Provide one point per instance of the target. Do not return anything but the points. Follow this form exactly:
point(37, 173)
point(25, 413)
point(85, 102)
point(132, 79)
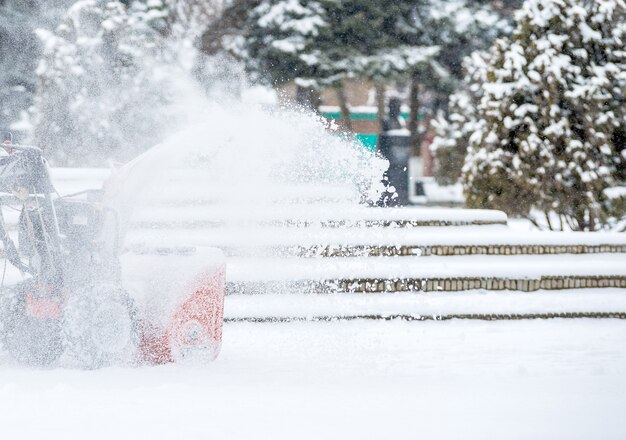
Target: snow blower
point(74, 300)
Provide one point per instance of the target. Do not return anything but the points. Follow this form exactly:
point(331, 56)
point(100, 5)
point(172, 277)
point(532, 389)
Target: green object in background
point(368, 140)
point(364, 116)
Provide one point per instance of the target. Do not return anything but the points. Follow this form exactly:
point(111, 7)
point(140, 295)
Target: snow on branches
point(101, 91)
point(550, 129)
point(280, 42)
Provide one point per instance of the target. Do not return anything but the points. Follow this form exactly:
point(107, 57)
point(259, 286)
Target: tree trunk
point(346, 122)
point(592, 221)
point(547, 215)
point(414, 104)
point(232, 19)
point(381, 112)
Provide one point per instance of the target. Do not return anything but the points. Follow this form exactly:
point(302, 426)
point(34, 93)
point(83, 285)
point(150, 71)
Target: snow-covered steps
point(306, 239)
point(184, 187)
point(608, 303)
point(310, 216)
point(276, 269)
point(382, 242)
point(411, 274)
point(204, 218)
point(189, 200)
point(194, 204)
point(438, 284)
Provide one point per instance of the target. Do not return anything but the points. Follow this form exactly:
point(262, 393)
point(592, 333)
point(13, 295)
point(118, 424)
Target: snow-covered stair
point(435, 274)
point(306, 239)
point(360, 241)
point(476, 304)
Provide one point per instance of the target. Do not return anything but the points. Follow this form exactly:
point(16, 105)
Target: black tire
point(30, 341)
point(100, 328)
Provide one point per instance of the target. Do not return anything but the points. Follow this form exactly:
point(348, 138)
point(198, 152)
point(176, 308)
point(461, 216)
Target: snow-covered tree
point(20, 50)
point(101, 93)
point(320, 43)
point(365, 42)
point(456, 28)
point(551, 122)
point(279, 43)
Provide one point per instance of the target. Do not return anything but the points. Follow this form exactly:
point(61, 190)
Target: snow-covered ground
point(554, 379)
point(433, 304)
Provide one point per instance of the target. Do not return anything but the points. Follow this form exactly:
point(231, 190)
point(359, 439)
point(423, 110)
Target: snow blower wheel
point(99, 327)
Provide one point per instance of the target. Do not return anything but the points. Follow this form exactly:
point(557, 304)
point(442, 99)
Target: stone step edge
point(472, 283)
point(349, 251)
point(455, 250)
point(330, 251)
point(455, 284)
point(413, 318)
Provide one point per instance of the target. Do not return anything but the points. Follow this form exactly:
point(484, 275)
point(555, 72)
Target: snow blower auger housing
point(74, 301)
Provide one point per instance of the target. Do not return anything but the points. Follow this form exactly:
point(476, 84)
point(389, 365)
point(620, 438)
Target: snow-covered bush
point(102, 92)
point(550, 132)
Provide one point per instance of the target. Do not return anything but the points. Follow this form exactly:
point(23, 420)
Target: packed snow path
point(557, 379)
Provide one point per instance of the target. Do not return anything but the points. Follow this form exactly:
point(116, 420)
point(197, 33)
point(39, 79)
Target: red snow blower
point(85, 299)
